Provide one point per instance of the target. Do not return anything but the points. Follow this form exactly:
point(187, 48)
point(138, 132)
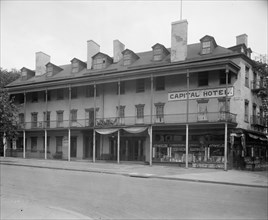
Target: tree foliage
point(8, 110)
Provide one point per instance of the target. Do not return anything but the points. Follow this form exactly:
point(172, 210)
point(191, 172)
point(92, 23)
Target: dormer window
point(208, 44)
point(75, 67)
point(101, 61)
point(26, 73)
point(52, 69)
point(49, 70)
point(129, 57)
point(159, 52)
point(206, 47)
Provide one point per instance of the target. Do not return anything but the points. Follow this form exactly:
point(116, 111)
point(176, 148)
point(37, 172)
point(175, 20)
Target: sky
point(61, 29)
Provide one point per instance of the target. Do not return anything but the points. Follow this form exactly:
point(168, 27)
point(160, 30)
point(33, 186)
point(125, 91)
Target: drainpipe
point(226, 121)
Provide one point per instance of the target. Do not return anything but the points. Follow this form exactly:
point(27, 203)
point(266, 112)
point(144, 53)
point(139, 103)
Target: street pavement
point(17, 208)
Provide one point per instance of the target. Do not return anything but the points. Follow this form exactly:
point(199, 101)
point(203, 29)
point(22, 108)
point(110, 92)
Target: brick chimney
point(92, 49)
point(242, 39)
point(118, 49)
point(179, 30)
point(41, 60)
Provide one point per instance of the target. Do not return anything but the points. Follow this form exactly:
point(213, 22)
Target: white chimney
point(179, 31)
point(92, 49)
point(118, 49)
point(242, 39)
point(41, 59)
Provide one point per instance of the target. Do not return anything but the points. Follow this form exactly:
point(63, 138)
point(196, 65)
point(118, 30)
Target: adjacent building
point(192, 104)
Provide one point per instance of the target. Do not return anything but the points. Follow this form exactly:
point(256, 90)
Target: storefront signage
point(200, 94)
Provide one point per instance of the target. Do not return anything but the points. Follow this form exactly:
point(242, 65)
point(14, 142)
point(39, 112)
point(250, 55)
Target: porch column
point(94, 145)
point(46, 128)
point(4, 143)
point(24, 143)
point(45, 144)
point(152, 99)
point(118, 146)
point(119, 94)
point(226, 120)
point(151, 145)
point(24, 126)
point(69, 144)
point(187, 123)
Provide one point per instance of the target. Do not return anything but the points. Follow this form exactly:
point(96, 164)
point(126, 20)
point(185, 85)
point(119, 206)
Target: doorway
point(73, 146)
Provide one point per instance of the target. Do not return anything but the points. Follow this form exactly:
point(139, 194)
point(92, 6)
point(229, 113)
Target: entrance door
point(90, 117)
point(88, 147)
point(73, 146)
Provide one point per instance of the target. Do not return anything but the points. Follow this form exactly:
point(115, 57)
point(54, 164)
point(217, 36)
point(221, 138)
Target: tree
point(8, 110)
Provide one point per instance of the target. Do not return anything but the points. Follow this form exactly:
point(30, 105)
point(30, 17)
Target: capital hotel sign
point(200, 94)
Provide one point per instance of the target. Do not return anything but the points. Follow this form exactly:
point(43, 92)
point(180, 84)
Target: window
point(59, 118)
point(48, 141)
point(34, 119)
point(48, 96)
point(203, 79)
point(59, 144)
point(222, 108)
point(159, 109)
point(157, 54)
point(33, 144)
point(206, 47)
point(60, 94)
point(223, 77)
point(99, 63)
point(247, 76)
point(122, 88)
point(89, 117)
point(202, 111)
point(254, 109)
point(140, 111)
point(75, 67)
point(47, 119)
point(49, 70)
point(127, 59)
point(74, 93)
point(121, 113)
point(246, 111)
point(74, 115)
point(90, 91)
point(140, 85)
point(160, 83)
point(35, 97)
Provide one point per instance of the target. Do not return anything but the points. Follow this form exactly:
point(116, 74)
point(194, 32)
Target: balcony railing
point(206, 117)
point(257, 85)
point(257, 120)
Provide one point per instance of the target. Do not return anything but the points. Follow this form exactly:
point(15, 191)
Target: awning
point(106, 131)
point(135, 130)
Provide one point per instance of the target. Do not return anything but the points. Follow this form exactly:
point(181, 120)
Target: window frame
point(140, 85)
point(203, 79)
point(246, 111)
point(160, 83)
point(60, 94)
point(222, 77)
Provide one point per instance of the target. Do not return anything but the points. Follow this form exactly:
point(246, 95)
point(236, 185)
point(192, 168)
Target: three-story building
point(191, 104)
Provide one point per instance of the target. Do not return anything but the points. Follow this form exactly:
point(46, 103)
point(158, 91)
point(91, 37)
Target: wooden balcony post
point(94, 145)
point(69, 144)
point(46, 127)
point(187, 122)
point(94, 105)
point(24, 143)
point(152, 99)
point(226, 120)
point(118, 146)
point(151, 145)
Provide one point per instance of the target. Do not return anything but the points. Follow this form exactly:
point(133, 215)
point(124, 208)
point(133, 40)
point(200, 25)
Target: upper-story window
point(246, 76)
point(34, 119)
point(159, 52)
point(49, 70)
point(74, 93)
point(140, 85)
point(60, 94)
point(90, 91)
point(140, 111)
point(127, 59)
point(203, 79)
point(246, 111)
point(223, 77)
point(35, 97)
point(73, 115)
point(21, 118)
point(160, 83)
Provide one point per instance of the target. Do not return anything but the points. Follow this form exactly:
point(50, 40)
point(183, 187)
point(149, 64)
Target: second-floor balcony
point(167, 119)
point(257, 120)
point(257, 85)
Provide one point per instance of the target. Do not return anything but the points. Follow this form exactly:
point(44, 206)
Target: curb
point(138, 175)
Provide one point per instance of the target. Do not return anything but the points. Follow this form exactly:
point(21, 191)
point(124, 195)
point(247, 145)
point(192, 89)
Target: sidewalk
point(214, 176)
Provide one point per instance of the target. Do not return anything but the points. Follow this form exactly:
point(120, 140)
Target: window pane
point(203, 79)
point(140, 85)
point(160, 83)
